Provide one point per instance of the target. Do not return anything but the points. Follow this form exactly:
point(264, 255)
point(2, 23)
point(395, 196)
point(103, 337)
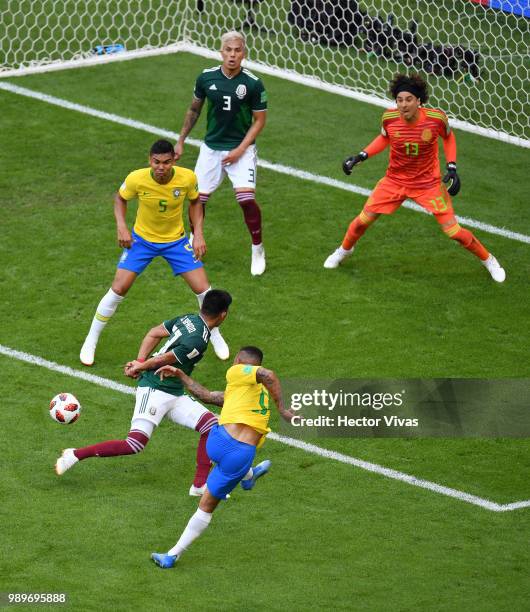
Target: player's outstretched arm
point(377, 145)
point(349, 163)
point(260, 118)
point(190, 120)
point(272, 383)
point(120, 213)
point(202, 393)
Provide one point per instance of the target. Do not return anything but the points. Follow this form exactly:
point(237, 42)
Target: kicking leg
point(150, 408)
point(136, 441)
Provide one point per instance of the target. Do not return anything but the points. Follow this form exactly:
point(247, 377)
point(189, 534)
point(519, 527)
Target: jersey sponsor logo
point(213, 87)
point(194, 353)
point(241, 91)
point(176, 193)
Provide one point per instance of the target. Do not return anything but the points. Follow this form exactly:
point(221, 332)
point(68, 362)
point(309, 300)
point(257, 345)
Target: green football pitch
point(315, 534)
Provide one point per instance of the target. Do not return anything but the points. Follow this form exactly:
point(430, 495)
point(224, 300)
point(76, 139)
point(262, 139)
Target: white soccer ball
point(64, 408)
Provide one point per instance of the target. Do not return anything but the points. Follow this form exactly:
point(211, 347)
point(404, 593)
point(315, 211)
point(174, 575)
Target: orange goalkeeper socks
point(468, 240)
point(354, 232)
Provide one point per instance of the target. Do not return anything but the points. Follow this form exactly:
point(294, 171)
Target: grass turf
point(408, 304)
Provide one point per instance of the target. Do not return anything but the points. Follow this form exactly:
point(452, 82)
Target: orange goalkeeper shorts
point(388, 196)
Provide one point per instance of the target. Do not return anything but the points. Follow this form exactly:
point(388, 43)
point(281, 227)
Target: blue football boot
point(260, 470)
point(164, 560)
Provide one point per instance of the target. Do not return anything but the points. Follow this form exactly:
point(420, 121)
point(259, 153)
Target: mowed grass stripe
point(279, 168)
point(299, 444)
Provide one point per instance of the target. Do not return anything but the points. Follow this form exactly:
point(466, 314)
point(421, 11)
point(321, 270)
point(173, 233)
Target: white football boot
point(65, 461)
point(88, 351)
point(257, 267)
point(337, 257)
point(494, 268)
point(219, 345)
point(197, 491)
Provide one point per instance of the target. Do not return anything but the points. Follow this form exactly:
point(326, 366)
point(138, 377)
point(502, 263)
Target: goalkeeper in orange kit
point(413, 172)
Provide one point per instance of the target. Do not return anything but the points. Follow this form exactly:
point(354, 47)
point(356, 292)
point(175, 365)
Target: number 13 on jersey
point(411, 148)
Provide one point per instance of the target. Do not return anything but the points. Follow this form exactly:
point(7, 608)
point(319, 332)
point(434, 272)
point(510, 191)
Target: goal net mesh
point(475, 54)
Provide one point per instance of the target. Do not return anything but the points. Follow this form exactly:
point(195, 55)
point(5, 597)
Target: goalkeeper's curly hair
point(418, 86)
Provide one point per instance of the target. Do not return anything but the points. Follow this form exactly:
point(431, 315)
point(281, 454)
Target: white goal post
point(475, 53)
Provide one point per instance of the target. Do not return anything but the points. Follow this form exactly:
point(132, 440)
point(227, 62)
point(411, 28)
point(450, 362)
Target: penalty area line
point(299, 444)
point(279, 168)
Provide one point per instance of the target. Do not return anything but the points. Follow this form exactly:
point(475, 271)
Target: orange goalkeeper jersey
point(414, 147)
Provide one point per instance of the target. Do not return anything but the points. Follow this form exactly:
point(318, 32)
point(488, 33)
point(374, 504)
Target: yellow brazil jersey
point(159, 216)
point(246, 400)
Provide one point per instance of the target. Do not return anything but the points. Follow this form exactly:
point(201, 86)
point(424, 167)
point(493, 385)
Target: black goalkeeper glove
point(452, 176)
point(347, 164)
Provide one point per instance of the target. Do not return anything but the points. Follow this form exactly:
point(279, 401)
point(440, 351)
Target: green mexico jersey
point(231, 102)
point(188, 340)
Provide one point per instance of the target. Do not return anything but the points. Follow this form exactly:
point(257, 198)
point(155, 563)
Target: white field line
point(304, 446)
point(288, 75)
point(280, 168)
point(88, 59)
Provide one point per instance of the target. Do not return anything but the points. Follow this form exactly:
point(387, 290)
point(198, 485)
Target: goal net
point(475, 53)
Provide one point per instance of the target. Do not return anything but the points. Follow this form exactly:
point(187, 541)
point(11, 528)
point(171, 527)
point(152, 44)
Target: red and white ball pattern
point(64, 408)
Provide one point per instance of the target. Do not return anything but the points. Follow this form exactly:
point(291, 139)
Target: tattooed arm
point(271, 382)
point(202, 393)
point(189, 121)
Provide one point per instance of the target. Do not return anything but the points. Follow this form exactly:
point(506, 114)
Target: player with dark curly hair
point(412, 132)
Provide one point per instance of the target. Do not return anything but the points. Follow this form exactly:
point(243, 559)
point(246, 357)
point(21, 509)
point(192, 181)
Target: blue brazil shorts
point(179, 255)
point(233, 460)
